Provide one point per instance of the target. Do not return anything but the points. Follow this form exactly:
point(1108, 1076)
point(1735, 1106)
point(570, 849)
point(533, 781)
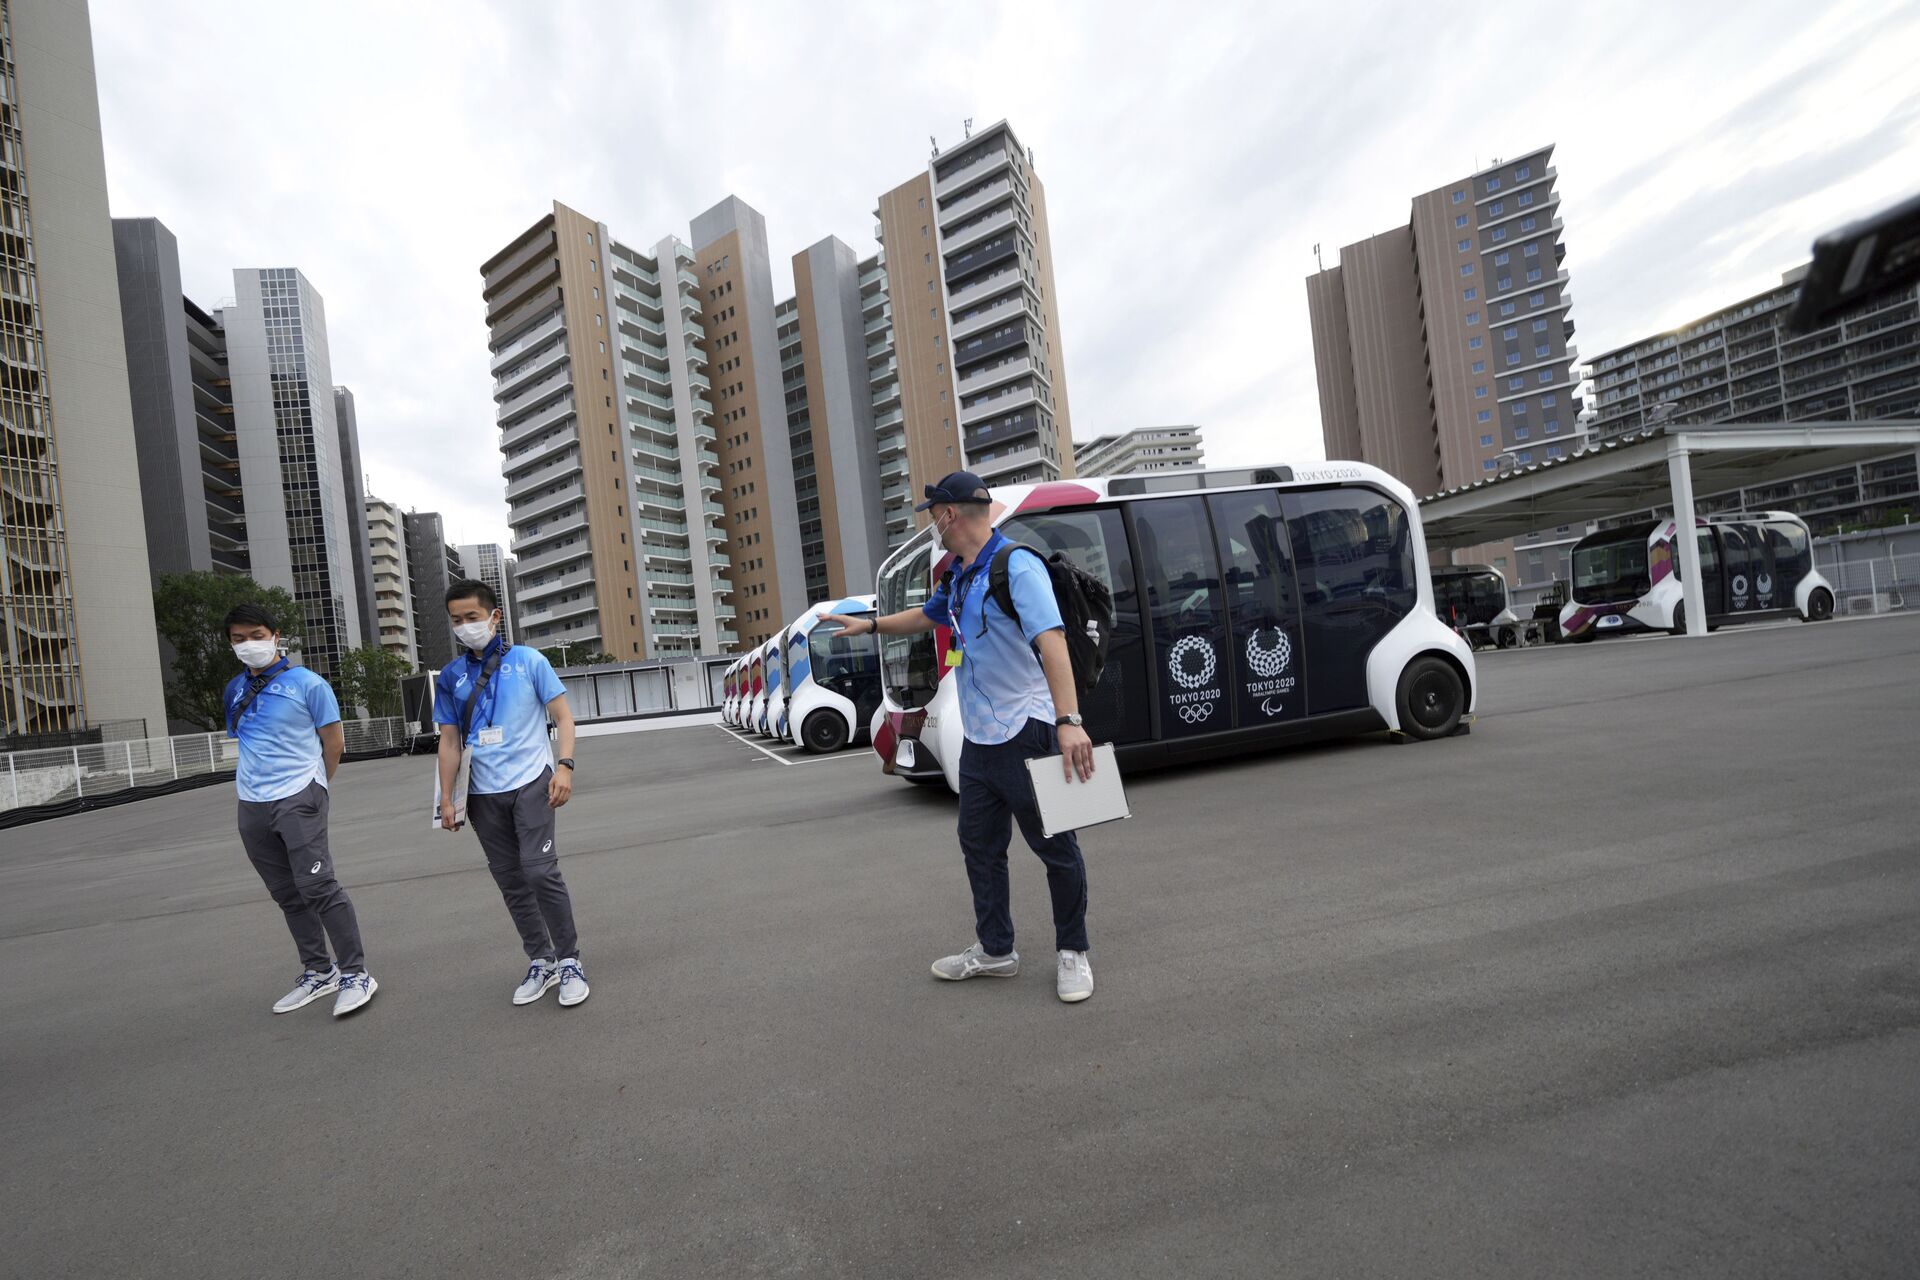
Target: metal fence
point(1877, 584)
point(96, 769)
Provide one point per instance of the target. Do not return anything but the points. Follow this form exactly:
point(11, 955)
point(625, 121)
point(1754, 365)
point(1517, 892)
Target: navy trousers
point(995, 792)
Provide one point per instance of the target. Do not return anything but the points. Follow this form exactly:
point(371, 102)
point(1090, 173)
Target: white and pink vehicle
point(1252, 607)
point(1754, 566)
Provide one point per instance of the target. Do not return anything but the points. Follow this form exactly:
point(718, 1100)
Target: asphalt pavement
point(1626, 983)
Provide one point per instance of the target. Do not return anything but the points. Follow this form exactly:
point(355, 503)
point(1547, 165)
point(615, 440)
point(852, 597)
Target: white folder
point(1070, 804)
point(459, 788)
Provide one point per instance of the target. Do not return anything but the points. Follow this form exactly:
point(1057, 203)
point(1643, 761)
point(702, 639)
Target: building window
point(1486, 441)
point(1460, 221)
point(1479, 366)
point(1493, 185)
point(1533, 250)
point(1555, 451)
point(1465, 245)
point(1458, 196)
point(1551, 425)
point(1510, 332)
point(1536, 299)
point(1497, 208)
point(1514, 384)
point(1489, 464)
point(1540, 325)
point(1473, 343)
point(1519, 433)
point(1533, 275)
point(1526, 198)
point(1522, 172)
point(1507, 308)
point(1466, 268)
point(1468, 295)
point(1529, 222)
point(1546, 376)
point(1541, 349)
point(1513, 358)
point(1526, 455)
point(1500, 233)
point(1479, 393)
point(1473, 317)
point(1500, 259)
point(1548, 401)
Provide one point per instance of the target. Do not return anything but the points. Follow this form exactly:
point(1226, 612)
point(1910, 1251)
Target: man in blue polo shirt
point(288, 724)
point(495, 698)
point(1017, 702)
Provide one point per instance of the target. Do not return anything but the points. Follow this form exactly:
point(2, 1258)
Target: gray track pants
point(516, 831)
point(286, 840)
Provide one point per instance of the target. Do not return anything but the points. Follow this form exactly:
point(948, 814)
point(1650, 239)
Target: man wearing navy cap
point(1017, 702)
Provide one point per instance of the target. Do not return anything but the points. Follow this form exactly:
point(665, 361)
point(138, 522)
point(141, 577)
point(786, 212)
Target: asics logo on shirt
point(314, 869)
point(547, 847)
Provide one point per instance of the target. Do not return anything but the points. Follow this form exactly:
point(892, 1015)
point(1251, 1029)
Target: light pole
point(563, 646)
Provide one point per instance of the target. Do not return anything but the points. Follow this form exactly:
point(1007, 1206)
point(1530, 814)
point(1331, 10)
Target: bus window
point(1263, 606)
point(1354, 557)
point(1742, 568)
point(1181, 578)
point(909, 663)
point(1791, 559)
point(1095, 539)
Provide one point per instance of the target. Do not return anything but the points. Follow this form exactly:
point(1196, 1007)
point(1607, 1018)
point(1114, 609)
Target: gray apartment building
point(432, 566)
point(394, 623)
point(352, 479)
point(1141, 450)
point(78, 647)
point(489, 562)
point(1443, 349)
point(1738, 365)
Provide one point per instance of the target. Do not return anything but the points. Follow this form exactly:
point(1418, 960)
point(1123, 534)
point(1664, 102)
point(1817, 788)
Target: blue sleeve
point(226, 706)
point(1032, 588)
point(321, 704)
point(546, 684)
point(446, 708)
point(939, 608)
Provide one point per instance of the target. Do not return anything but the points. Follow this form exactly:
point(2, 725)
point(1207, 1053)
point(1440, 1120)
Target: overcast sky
point(1193, 155)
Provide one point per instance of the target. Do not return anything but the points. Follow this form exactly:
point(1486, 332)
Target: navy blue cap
point(960, 486)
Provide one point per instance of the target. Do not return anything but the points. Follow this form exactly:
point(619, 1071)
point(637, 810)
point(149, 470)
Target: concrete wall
point(87, 363)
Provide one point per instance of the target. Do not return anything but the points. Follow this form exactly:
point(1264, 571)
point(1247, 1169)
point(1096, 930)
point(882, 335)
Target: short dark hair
point(249, 615)
point(473, 589)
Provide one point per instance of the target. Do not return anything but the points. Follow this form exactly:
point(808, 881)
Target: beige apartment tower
point(78, 647)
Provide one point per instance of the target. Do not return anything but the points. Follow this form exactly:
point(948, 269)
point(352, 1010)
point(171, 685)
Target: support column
point(1686, 536)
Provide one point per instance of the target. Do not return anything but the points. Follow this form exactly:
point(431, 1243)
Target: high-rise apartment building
point(609, 442)
point(432, 566)
point(1444, 349)
point(293, 477)
point(347, 418)
point(1737, 365)
point(976, 329)
point(1141, 450)
point(392, 581)
point(78, 646)
point(489, 562)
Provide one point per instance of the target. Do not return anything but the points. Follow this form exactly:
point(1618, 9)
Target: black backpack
point(1086, 607)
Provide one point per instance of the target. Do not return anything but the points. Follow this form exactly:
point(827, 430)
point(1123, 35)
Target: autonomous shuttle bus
point(774, 722)
point(727, 687)
point(833, 682)
point(766, 670)
point(1472, 599)
point(1754, 566)
point(1252, 607)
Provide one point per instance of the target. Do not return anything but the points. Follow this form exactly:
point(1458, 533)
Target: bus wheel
point(1679, 620)
point(1819, 605)
point(1431, 698)
point(824, 732)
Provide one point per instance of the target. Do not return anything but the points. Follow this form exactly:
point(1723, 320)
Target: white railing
point(102, 768)
point(1875, 584)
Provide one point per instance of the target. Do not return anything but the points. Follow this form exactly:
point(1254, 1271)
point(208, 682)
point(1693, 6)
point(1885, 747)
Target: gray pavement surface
point(1627, 983)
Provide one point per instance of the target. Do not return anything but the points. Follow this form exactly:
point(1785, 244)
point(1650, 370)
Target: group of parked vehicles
point(806, 685)
point(1252, 607)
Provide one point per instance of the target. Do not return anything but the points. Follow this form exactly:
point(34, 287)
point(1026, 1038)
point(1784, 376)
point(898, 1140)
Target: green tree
point(575, 656)
point(370, 679)
point(189, 609)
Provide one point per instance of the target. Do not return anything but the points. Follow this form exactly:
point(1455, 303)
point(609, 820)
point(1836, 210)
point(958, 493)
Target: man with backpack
point(1018, 701)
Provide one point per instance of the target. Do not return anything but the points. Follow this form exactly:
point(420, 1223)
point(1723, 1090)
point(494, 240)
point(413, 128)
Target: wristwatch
point(565, 760)
point(1072, 718)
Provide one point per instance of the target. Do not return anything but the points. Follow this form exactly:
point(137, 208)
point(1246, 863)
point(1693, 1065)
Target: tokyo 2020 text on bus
point(1754, 566)
point(833, 682)
point(1252, 607)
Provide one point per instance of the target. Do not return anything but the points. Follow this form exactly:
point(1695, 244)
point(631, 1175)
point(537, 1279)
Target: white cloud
point(1192, 157)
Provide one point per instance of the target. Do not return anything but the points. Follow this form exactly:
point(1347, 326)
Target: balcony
point(534, 508)
point(544, 329)
point(981, 378)
point(531, 399)
point(518, 487)
point(525, 594)
point(880, 346)
point(1025, 423)
point(984, 199)
point(1012, 309)
point(671, 505)
point(670, 555)
point(988, 468)
point(656, 475)
point(983, 256)
point(528, 371)
point(882, 321)
point(528, 428)
point(979, 232)
point(977, 291)
point(888, 394)
point(1004, 402)
point(891, 418)
point(959, 179)
point(646, 450)
point(536, 454)
point(638, 397)
point(526, 564)
point(559, 612)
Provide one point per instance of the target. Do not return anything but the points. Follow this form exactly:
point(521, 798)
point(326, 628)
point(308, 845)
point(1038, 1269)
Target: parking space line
point(756, 746)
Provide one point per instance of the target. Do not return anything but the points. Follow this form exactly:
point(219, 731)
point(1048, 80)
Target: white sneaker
point(355, 990)
point(974, 962)
point(573, 982)
point(542, 975)
point(311, 987)
point(1075, 982)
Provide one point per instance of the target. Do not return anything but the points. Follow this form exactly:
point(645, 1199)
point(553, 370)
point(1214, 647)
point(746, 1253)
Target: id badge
point(954, 656)
point(490, 737)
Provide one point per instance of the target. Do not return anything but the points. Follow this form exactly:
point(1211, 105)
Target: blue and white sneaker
point(311, 987)
point(542, 975)
point(573, 981)
point(355, 990)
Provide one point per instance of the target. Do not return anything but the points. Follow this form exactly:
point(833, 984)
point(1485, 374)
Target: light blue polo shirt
point(1001, 683)
point(278, 733)
point(515, 703)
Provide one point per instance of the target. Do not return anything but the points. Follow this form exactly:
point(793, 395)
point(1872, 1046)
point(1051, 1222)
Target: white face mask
point(256, 653)
point(474, 635)
point(939, 536)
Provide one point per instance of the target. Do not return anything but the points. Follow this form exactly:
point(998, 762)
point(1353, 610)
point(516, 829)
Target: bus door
point(1095, 540)
point(1185, 606)
point(1353, 554)
point(1266, 653)
point(848, 666)
point(1742, 566)
point(1713, 585)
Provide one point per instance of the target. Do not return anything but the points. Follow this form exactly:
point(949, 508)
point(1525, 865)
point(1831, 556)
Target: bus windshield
point(1469, 595)
point(834, 655)
point(1607, 572)
point(908, 664)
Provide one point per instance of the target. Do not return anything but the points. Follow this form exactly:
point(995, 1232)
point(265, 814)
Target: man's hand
point(846, 623)
point(447, 820)
point(1076, 751)
point(560, 786)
